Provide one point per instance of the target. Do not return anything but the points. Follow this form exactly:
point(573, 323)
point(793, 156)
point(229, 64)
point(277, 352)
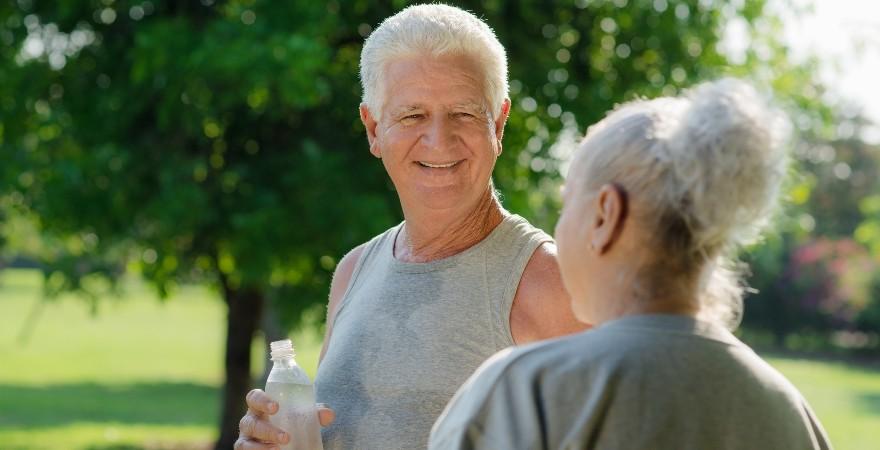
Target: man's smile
point(439, 165)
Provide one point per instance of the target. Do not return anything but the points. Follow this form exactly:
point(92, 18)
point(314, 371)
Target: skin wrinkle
point(469, 81)
point(439, 115)
point(469, 233)
point(478, 110)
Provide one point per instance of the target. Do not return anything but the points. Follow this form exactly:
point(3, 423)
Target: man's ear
point(499, 123)
point(501, 120)
point(611, 215)
point(370, 124)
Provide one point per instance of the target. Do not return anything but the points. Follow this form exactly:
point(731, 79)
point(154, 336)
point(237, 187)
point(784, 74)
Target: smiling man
point(416, 309)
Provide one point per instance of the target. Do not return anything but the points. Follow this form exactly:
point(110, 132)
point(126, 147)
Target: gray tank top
point(407, 335)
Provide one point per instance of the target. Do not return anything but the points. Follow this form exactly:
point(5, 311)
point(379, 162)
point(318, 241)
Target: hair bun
point(729, 159)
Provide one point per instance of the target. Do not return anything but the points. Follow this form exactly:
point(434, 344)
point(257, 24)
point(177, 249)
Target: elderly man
point(416, 309)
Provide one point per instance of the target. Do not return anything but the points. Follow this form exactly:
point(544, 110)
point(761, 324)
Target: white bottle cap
point(282, 349)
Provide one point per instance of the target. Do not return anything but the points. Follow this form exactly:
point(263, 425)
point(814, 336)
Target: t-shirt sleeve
point(822, 441)
point(494, 409)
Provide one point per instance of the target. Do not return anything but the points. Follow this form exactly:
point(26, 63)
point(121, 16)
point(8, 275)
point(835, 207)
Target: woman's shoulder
point(511, 388)
point(525, 363)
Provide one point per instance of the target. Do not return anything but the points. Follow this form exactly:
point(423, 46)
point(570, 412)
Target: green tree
point(202, 142)
point(220, 142)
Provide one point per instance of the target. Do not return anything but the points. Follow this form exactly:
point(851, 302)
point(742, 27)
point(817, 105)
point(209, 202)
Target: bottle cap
point(282, 349)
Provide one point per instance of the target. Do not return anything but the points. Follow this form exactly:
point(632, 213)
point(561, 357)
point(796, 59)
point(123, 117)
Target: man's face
point(436, 137)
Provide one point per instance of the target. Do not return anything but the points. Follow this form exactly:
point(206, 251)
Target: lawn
point(846, 399)
point(141, 373)
point(138, 373)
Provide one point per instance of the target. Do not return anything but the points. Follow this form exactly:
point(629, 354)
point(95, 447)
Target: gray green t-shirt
point(407, 335)
point(639, 382)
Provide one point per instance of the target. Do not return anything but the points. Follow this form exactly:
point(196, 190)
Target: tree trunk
point(245, 307)
point(272, 329)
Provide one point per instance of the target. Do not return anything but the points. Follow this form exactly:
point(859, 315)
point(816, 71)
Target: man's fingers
point(326, 416)
point(247, 444)
point(253, 427)
point(260, 402)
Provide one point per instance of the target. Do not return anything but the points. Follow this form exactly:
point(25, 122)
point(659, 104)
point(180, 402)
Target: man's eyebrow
point(405, 109)
point(470, 106)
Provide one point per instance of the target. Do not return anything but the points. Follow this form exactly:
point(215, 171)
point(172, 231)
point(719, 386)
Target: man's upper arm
point(541, 307)
point(341, 278)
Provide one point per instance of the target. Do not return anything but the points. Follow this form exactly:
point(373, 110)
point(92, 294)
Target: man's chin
point(442, 197)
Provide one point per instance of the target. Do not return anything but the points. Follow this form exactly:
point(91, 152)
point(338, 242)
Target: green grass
point(139, 373)
point(145, 374)
point(845, 397)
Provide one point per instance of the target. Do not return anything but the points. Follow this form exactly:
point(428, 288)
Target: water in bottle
point(289, 385)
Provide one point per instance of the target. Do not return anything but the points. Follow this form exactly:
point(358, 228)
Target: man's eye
point(463, 115)
point(412, 117)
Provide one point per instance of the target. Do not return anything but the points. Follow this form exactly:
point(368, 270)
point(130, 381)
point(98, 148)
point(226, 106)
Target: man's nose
point(440, 134)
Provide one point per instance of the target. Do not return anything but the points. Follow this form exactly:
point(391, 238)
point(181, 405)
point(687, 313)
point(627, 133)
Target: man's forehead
point(426, 80)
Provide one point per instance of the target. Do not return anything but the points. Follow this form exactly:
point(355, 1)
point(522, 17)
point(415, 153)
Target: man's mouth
point(436, 165)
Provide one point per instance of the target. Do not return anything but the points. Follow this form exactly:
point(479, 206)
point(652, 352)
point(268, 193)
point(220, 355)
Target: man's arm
point(541, 307)
point(256, 431)
point(341, 278)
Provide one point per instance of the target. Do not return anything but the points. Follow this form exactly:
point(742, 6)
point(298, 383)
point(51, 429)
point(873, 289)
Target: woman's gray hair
point(706, 168)
point(433, 30)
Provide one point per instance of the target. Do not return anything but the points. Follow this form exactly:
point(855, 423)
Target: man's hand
point(255, 430)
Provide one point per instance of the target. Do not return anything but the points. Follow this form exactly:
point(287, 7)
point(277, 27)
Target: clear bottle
point(297, 413)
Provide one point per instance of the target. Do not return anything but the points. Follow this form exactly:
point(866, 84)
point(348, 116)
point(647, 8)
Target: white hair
point(707, 168)
point(433, 30)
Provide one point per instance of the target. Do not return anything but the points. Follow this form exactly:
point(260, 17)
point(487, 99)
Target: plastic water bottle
point(297, 413)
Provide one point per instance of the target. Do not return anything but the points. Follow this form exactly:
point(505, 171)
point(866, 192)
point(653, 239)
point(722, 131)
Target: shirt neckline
point(671, 323)
point(444, 263)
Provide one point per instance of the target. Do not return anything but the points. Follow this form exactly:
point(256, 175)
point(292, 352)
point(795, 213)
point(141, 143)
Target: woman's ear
point(611, 215)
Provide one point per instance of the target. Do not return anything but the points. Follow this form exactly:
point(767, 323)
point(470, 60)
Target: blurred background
point(179, 178)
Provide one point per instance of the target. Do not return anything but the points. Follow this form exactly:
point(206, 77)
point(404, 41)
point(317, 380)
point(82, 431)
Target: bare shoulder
point(542, 308)
point(338, 286)
point(341, 278)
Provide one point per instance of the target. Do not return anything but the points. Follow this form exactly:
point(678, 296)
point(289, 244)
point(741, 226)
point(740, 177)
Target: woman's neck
point(638, 295)
point(430, 237)
point(636, 307)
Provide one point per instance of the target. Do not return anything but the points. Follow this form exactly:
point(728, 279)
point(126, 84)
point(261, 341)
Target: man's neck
point(432, 235)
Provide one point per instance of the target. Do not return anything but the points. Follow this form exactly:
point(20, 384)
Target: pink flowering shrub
point(836, 278)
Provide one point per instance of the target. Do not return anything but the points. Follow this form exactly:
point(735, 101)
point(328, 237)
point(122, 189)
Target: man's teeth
point(438, 166)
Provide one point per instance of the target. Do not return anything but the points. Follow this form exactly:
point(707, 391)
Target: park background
point(179, 178)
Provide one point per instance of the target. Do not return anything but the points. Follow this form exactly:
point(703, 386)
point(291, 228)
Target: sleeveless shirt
point(407, 335)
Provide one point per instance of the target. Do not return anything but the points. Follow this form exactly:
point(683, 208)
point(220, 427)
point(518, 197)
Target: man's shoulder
point(542, 306)
point(350, 259)
point(541, 279)
point(544, 263)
